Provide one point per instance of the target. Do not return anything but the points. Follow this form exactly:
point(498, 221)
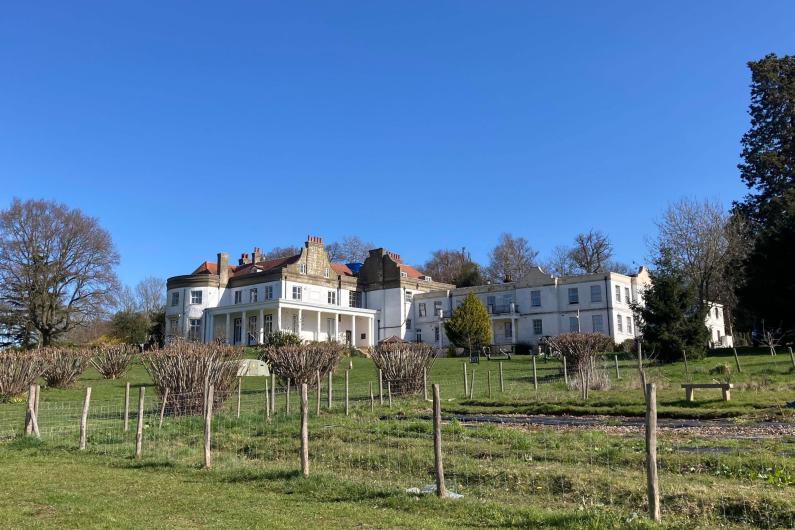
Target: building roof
point(410, 271)
point(341, 269)
point(263, 266)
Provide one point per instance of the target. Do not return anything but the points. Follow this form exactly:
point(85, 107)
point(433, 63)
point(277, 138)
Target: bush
point(403, 364)
point(183, 367)
point(300, 364)
point(580, 351)
point(18, 370)
point(113, 361)
point(282, 338)
point(469, 326)
point(64, 366)
point(723, 372)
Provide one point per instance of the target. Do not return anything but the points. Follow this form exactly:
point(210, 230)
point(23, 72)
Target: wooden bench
point(725, 388)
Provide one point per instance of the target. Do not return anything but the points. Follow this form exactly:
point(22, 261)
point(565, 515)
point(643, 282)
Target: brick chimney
point(256, 256)
point(223, 268)
point(244, 260)
point(314, 241)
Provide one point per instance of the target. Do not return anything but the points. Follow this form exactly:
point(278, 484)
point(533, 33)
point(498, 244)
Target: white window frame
point(325, 272)
point(574, 324)
point(538, 330)
point(596, 290)
point(408, 323)
point(267, 324)
point(600, 328)
point(620, 324)
point(535, 298)
point(437, 306)
point(422, 310)
point(298, 292)
point(238, 297)
point(267, 292)
point(194, 328)
point(618, 294)
point(576, 292)
point(252, 296)
point(408, 297)
point(194, 299)
point(332, 297)
point(302, 268)
point(174, 298)
point(507, 329)
point(629, 325)
point(627, 295)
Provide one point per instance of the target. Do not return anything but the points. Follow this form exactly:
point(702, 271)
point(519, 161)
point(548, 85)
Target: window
point(437, 307)
point(422, 309)
point(490, 303)
point(436, 333)
point(302, 268)
point(409, 297)
point(717, 314)
point(408, 323)
point(574, 324)
point(175, 326)
point(596, 294)
point(267, 292)
point(508, 330)
point(268, 324)
point(535, 298)
point(418, 334)
point(175, 298)
point(295, 323)
point(598, 324)
point(195, 297)
point(325, 272)
point(238, 297)
point(627, 297)
point(403, 274)
point(619, 325)
point(297, 292)
point(237, 331)
point(618, 294)
point(574, 295)
point(332, 297)
point(252, 295)
point(538, 328)
point(629, 325)
point(354, 299)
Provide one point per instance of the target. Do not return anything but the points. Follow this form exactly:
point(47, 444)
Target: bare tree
point(352, 249)
point(511, 259)
point(56, 270)
point(150, 294)
point(453, 266)
point(591, 251)
point(619, 267)
point(560, 262)
point(125, 300)
point(281, 252)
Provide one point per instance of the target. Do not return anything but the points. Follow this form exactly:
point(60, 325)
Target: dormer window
point(325, 272)
point(403, 274)
point(302, 268)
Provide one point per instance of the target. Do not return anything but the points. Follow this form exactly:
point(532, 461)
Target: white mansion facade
point(364, 303)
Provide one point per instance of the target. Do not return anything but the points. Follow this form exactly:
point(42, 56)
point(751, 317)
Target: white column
point(353, 331)
point(228, 329)
point(300, 321)
point(278, 318)
point(244, 329)
point(371, 327)
point(336, 326)
point(261, 322)
point(317, 329)
point(513, 331)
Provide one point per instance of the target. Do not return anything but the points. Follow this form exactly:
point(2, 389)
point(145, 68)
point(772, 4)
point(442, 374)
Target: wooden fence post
point(565, 372)
point(38, 396)
point(425, 383)
point(641, 373)
point(502, 379)
point(618, 373)
point(466, 380)
point(273, 393)
point(31, 419)
point(84, 419)
point(208, 428)
point(791, 358)
point(267, 401)
point(437, 442)
point(535, 374)
point(139, 427)
point(317, 411)
point(127, 407)
point(239, 392)
point(472, 386)
point(163, 408)
point(304, 431)
point(347, 403)
point(381, 386)
point(372, 398)
point(737, 360)
point(287, 398)
point(389, 392)
point(652, 484)
point(488, 381)
point(687, 369)
point(330, 389)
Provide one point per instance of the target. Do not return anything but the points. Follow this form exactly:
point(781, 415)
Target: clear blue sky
point(190, 128)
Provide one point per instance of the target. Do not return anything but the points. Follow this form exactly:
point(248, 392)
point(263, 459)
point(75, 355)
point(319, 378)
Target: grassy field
point(361, 465)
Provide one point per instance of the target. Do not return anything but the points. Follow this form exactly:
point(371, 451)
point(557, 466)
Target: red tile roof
point(207, 267)
point(341, 269)
point(410, 271)
point(264, 266)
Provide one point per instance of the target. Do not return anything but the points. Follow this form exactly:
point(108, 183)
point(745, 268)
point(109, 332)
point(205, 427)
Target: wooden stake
point(317, 411)
point(273, 394)
point(84, 419)
point(208, 428)
point(163, 409)
point(389, 391)
point(38, 396)
point(304, 431)
point(239, 392)
point(535, 374)
point(372, 398)
point(127, 407)
point(267, 402)
point(565, 373)
point(466, 381)
point(502, 379)
point(31, 420)
point(139, 427)
point(347, 403)
point(472, 386)
point(437, 442)
point(488, 381)
point(618, 373)
point(652, 484)
point(737, 360)
point(287, 399)
point(330, 389)
point(425, 383)
point(687, 369)
point(381, 386)
point(791, 358)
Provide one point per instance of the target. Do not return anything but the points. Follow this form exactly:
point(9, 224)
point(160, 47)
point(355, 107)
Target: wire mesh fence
point(722, 475)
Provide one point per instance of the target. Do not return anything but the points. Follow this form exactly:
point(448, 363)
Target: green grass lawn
point(361, 465)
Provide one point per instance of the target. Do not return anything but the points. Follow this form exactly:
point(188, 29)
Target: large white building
point(361, 304)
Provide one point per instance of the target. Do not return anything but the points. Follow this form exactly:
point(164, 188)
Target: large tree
point(469, 326)
point(453, 266)
point(281, 252)
point(768, 169)
point(352, 249)
point(56, 270)
point(591, 252)
point(150, 294)
point(511, 259)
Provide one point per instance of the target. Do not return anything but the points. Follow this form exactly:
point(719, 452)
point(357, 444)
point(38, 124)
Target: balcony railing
point(503, 309)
